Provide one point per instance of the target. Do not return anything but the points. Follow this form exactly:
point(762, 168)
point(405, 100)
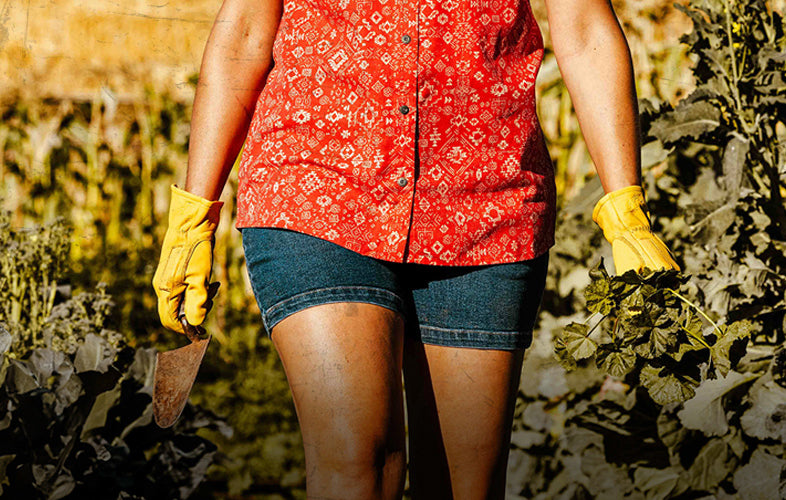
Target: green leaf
point(730, 347)
point(62, 486)
point(650, 326)
point(617, 362)
point(578, 439)
point(20, 377)
point(691, 322)
point(46, 362)
point(5, 339)
point(524, 439)
point(597, 293)
point(536, 417)
point(94, 354)
point(693, 347)
point(620, 288)
point(5, 461)
point(68, 390)
point(98, 413)
point(656, 484)
point(689, 120)
point(653, 153)
point(763, 419)
point(711, 466)
point(563, 356)
point(577, 343)
point(608, 480)
point(598, 271)
point(632, 305)
point(143, 368)
point(659, 341)
point(715, 224)
point(665, 387)
point(671, 431)
point(734, 157)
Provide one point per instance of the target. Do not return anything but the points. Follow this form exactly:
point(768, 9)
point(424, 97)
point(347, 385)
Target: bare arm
point(235, 64)
point(594, 59)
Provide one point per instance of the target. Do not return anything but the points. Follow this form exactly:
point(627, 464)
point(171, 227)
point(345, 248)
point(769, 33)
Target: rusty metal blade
point(174, 376)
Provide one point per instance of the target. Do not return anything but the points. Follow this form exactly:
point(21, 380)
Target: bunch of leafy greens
point(76, 418)
point(654, 335)
point(80, 426)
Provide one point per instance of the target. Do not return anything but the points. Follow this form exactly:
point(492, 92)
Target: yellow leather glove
point(625, 220)
point(186, 262)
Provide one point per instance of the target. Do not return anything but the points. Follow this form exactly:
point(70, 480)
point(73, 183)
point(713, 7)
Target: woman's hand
point(623, 216)
point(183, 272)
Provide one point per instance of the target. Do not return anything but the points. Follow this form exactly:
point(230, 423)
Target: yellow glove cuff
point(625, 220)
point(188, 211)
point(621, 210)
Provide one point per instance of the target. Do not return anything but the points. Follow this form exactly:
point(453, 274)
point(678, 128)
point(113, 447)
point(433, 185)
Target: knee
point(357, 473)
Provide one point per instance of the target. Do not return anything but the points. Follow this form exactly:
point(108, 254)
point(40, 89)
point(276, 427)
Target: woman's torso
point(331, 147)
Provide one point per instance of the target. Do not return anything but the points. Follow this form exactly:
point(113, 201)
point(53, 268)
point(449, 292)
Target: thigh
point(336, 319)
point(343, 365)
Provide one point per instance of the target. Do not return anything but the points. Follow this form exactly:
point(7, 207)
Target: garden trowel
point(175, 373)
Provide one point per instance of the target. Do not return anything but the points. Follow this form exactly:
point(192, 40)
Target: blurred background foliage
point(95, 126)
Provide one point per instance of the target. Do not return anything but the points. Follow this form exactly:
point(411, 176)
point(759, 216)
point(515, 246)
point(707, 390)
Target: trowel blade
point(174, 376)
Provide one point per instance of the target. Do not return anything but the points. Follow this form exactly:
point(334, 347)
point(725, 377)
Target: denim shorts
point(491, 306)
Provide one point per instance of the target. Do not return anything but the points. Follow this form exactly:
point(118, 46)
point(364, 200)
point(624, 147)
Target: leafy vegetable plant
point(722, 195)
point(76, 417)
point(651, 334)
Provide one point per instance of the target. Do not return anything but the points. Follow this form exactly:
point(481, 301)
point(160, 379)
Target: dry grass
point(70, 48)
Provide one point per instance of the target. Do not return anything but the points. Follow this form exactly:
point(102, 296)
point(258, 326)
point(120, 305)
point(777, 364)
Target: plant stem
point(596, 324)
point(734, 84)
point(699, 339)
point(720, 333)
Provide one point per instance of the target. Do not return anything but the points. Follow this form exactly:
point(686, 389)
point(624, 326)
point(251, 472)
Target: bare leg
point(460, 405)
point(343, 365)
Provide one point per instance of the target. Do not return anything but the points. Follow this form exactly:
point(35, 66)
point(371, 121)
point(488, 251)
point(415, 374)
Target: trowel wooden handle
point(192, 332)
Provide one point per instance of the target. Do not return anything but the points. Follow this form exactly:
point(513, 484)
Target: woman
point(397, 204)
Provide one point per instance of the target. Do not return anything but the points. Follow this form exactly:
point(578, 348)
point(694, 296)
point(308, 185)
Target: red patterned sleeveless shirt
point(403, 130)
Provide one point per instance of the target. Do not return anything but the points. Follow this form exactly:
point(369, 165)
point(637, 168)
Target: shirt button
point(404, 109)
point(406, 38)
point(402, 181)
